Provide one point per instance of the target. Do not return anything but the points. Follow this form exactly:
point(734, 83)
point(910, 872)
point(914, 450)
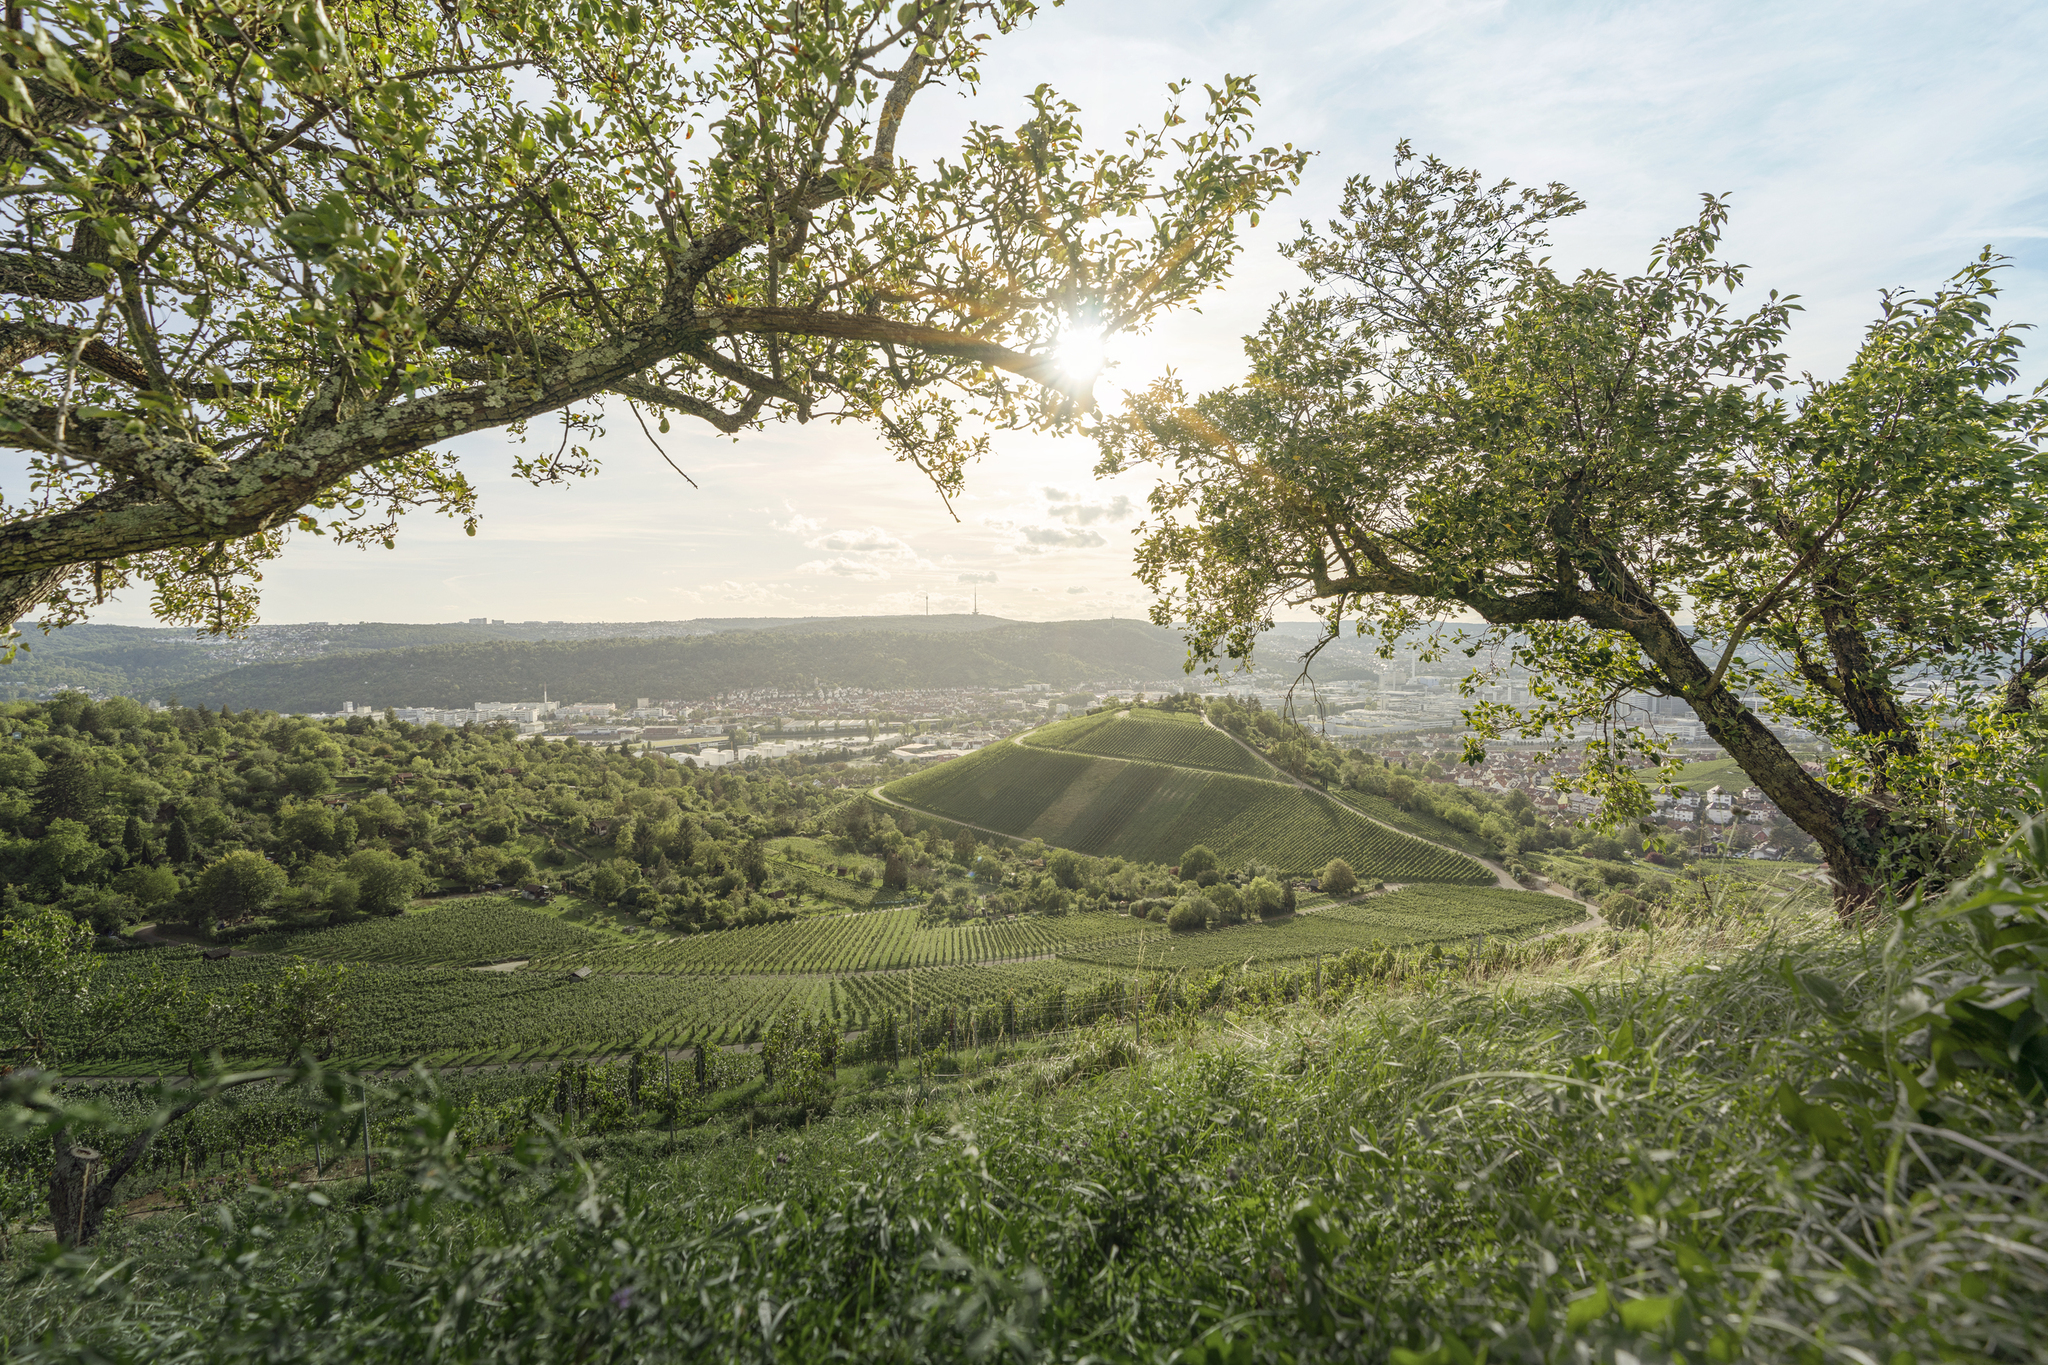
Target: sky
point(1865, 145)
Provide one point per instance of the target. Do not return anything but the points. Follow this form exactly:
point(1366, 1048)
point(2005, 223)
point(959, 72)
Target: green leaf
point(1584, 1310)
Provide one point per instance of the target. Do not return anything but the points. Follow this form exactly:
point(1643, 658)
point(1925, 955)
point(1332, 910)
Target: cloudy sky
point(1866, 145)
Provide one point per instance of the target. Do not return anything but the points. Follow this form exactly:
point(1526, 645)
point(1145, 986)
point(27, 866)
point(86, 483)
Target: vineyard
point(1152, 813)
point(1422, 824)
point(1402, 919)
point(1173, 738)
point(882, 940)
point(465, 933)
point(1434, 912)
point(400, 1014)
point(406, 1004)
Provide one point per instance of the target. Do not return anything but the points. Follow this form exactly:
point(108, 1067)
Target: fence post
point(366, 1137)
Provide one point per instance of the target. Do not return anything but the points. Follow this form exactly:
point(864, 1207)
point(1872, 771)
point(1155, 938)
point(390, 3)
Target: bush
point(1229, 903)
point(1623, 910)
point(239, 885)
point(1189, 915)
point(1265, 897)
point(1197, 860)
point(606, 885)
point(387, 882)
point(1338, 879)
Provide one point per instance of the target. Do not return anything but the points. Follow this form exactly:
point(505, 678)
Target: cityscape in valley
point(965, 682)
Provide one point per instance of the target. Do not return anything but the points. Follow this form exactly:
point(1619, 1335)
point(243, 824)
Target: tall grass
point(1662, 1147)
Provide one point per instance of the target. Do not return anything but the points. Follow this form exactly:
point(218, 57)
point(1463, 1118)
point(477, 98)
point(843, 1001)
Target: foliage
point(1416, 915)
point(1442, 426)
point(265, 320)
point(51, 1001)
point(1338, 879)
point(1983, 1008)
point(466, 933)
point(239, 885)
point(878, 940)
point(1372, 1153)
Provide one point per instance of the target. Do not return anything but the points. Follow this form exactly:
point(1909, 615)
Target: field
point(1401, 919)
point(453, 934)
point(409, 998)
point(1176, 739)
point(879, 941)
point(454, 1017)
point(1153, 813)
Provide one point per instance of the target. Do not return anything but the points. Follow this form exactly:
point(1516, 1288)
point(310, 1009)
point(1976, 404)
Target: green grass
point(1173, 738)
point(445, 934)
point(845, 891)
point(1154, 813)
point(1402, 919)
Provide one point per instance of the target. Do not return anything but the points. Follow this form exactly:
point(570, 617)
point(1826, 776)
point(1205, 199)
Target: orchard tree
point(238, 885)
point(1618, 477)
point(264, 262)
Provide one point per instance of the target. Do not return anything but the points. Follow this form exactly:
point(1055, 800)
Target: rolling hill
point(1174, 738)
point(1119, 800)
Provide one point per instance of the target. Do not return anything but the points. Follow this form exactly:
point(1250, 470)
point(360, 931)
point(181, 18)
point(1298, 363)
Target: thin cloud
point(1117, 508)
point(978, 578)
point(1053, 537)
point(846, 567)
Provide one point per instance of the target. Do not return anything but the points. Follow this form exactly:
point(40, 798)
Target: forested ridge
point(1058, 652)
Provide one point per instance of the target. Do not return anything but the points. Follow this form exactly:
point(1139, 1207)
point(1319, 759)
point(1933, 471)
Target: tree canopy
point(261, 263)
point(1619, 477)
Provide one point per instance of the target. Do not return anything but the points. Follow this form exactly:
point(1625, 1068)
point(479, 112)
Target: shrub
point(1065, 868)
point(1265, 897)
point(239, 885)
point(388, 882)
point(1227, 900)
point(1197, 860)
point(1623, 910)
point(1189, 915)
point(1338, 879)
point(606, 885)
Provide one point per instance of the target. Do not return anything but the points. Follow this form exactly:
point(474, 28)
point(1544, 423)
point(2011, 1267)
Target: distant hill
point(1004, 654)
point(1098, 786)
point(162, 661)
